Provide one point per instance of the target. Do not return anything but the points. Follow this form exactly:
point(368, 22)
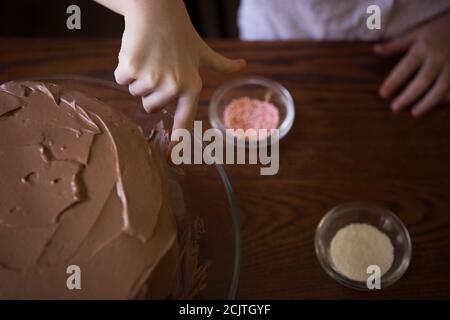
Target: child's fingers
point(161, 97)
point(395, 46)
point(434, 96)
point(143, 86)
point(165, 93)
point(422, 81)
point(220, 63)
point(404, 69)
point(123, 76)
point(126, 72)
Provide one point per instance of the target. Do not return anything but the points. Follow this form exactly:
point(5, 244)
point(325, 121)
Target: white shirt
point(331, 19)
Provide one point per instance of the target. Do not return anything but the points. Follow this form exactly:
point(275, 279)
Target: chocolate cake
point(80, 186)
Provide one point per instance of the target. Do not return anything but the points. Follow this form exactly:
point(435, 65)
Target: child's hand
point(160, 57)
point(429, 54)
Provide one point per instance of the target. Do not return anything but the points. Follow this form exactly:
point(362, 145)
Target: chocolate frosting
point(80, 185)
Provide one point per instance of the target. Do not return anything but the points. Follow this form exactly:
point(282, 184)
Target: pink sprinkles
point(245, 113)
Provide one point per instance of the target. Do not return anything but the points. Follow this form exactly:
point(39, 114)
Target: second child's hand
point(428, 54)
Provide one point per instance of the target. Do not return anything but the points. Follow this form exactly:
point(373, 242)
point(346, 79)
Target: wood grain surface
point(345, 145)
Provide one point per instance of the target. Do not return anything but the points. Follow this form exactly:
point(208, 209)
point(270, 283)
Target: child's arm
point(429, 54)
point(160, 56)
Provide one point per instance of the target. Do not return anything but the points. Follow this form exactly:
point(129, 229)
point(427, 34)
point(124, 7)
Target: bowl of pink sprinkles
point(254, 108)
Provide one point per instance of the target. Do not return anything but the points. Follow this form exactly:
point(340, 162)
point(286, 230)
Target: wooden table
point(345, 145)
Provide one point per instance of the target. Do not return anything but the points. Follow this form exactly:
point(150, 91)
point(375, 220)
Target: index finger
point(183, 119)
point(185, 112)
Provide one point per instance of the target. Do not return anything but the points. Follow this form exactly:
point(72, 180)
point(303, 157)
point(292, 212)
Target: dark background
point(47, 18)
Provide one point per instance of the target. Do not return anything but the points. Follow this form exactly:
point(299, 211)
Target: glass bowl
point(382, 219)
point(209, 224)
point(255, 88)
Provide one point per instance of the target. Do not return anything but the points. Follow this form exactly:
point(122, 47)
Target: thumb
point(218, 62)
point(395, 46)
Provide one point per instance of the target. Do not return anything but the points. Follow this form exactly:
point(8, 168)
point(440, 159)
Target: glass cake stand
point(203, 201)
